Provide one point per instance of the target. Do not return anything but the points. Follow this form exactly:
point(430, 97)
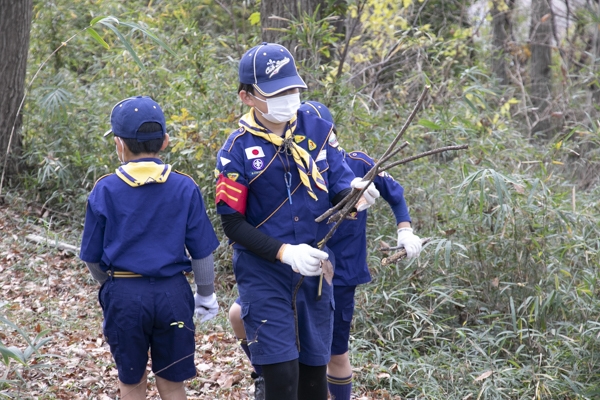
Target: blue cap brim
point(272, 88)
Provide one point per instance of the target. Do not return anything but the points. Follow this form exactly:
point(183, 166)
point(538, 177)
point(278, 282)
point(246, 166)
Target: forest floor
point(47, 292)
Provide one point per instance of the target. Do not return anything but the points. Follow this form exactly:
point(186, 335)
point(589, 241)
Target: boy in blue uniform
point(139, 223)
point(277, 173)
point(349, 245)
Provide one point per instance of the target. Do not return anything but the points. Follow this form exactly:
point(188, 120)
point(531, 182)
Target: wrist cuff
point(405, 229)
point(280, 252)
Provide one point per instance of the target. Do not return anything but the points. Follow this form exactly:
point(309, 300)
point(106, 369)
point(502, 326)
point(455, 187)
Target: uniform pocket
point(182, 302)
point(245, 309)
point(347, 313)
point(123, 308)
point(111, 337)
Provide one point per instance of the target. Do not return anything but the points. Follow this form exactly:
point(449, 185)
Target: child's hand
point(410, 242)
point(369, 195)
point(304, 259)
point(206, 307)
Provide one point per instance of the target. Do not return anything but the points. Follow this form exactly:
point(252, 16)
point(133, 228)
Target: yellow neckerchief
point(303, 160)
point(143, 172)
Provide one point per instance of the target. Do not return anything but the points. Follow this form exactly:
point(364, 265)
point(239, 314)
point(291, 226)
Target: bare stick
point(401, 254)
point(425, 154)
point(349, 202)
point(355, 195)
point(52, 242)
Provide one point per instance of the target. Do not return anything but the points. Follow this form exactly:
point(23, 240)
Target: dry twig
point(400, 254)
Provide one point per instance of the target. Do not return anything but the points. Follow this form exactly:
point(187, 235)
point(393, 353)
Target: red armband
point(231, 193)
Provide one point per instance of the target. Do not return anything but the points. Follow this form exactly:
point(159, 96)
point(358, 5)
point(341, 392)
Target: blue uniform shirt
point(143, 226)
point(349, 243)
point(252, 181)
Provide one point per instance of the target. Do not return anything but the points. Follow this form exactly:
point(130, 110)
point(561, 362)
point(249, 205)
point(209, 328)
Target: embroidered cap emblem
point(273, 67)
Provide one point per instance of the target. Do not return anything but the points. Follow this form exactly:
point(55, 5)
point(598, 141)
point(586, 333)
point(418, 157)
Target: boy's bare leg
point(235, 319)
point(170, 390)
point(133, 392)
point(339, 365)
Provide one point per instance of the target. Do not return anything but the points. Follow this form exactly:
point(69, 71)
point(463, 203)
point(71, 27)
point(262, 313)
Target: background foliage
point(502, 304)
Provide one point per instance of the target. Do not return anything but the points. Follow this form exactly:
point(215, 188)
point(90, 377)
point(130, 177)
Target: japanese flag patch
point(254, 152)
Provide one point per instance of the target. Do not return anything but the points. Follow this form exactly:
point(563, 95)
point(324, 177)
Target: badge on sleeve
point(333, 142)
point(322, 155)
point(254, 152)
point(258, 164)
point(233, 176)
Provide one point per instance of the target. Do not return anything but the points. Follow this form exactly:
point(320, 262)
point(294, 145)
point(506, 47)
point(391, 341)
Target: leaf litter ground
point(47, 289)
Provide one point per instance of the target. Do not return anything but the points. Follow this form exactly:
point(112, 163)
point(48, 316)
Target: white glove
point(303, 259)
point(410, 242)
point(368, 196)
point(206, 307)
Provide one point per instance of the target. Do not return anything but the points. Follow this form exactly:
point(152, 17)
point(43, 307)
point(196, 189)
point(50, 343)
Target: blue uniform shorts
point(344, 309)
point(150, 313)
point(266, 299)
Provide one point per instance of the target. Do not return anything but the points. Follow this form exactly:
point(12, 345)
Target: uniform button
point(296, 219)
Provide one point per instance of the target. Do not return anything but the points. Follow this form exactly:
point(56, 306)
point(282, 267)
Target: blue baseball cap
point(270, 68)
point(314, 107)
point(128, 115)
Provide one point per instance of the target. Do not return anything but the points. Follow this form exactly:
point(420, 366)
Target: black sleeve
point(240, 231)
point(340, 196)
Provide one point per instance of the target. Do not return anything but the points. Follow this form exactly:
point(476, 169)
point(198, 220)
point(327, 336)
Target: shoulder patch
point(333, 142)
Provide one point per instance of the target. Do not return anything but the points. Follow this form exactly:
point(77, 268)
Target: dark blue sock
point(244, 346)
point(339, 388)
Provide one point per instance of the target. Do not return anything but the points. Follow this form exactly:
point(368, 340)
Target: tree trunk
point(15, 22)
point(276, 16)
point(540, 37)
point(501, 32)
point(595, 50)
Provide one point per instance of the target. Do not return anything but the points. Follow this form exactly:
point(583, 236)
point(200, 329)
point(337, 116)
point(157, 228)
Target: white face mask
point(281, 109)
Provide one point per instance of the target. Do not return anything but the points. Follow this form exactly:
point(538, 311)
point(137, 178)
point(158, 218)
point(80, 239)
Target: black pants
point(292, 380)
